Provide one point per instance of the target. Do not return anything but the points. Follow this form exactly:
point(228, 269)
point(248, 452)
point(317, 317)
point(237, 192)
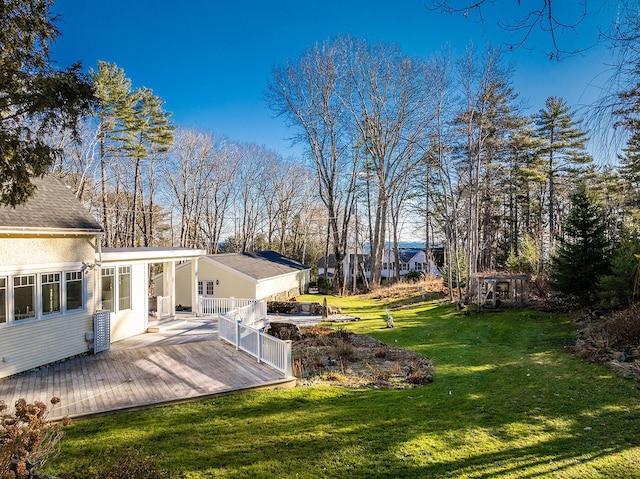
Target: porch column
point(169, 284)
point(195, 306)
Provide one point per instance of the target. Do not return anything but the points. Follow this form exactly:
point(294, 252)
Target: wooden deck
point(181, 364)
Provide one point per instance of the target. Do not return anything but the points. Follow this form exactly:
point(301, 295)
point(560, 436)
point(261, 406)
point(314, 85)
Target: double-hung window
point(24, 296)
point(116, 295)
point(73, 283)
point(108, 275)
point(50, 289)
point(124, 287)
point(3, 300)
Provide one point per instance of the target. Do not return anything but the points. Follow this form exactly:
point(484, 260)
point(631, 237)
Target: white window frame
point(112, 273)
point(115, 272)
point(120, 272)
point(4, 287)
point(34, 295)
point(39, 277)
point(50, 278)
point(76, 275)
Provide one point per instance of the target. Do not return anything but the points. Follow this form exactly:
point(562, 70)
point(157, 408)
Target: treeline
point(443, 143)
point(152, 184)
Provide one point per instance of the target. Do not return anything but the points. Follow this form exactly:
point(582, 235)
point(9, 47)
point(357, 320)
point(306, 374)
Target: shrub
point(27, 439)
point(381, 351)
point(420, 371)
point(344, 350)
point(413, 276)
point(622, 328)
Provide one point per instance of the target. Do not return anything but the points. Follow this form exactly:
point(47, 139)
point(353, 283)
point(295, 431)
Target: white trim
point(148, 255)
point(40, 268)
point(39, 315)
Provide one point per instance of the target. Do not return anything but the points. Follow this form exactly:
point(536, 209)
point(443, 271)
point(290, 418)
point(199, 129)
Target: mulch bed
point(339, 357)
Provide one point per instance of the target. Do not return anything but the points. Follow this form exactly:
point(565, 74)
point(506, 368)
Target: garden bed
point(337, 356)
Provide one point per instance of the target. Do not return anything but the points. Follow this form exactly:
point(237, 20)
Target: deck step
point(162, 325)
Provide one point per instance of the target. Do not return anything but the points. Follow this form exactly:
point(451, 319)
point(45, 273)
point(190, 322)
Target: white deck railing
point(250, 311)
point(235, 329)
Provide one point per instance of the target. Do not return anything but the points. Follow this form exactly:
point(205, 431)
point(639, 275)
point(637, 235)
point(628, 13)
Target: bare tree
point(188, 175)
point(545, 16)
point(386, 93)
point(307, 94)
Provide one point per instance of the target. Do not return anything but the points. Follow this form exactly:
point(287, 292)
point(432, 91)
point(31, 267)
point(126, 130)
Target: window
point(124, 287)
point(108, 275)
point(404, 266)
point(208, 286)
point(3, 300)
point(74, 290)
point(24, 293)
point(384, 265)
point(50, 288)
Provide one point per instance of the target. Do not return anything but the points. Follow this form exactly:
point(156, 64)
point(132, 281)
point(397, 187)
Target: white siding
point(131, 322)
point(28, 345)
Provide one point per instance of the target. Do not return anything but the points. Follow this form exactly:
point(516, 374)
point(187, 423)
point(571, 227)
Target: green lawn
point(507, 401)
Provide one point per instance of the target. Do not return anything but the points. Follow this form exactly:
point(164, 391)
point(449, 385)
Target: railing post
point(260, 346)
point(238, 321)
point(288, 361)
point(232, 303)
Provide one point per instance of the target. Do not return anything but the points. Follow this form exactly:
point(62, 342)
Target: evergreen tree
point(564, 152)
point(116, 128)
point(629, 116)
point(620, 287)
point(154, 136)
point(35, 99)
point(582, 254)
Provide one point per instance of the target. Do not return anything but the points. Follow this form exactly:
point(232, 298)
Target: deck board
point(146, 370)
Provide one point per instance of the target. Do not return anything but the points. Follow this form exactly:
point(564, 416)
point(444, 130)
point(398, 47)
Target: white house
point(56, 282)
point(256, 275)
point(410, 260)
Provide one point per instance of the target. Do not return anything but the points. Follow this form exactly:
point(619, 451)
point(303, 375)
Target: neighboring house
point(54, 277)
point(347, 264)
point(410, 260)
point(257, 275)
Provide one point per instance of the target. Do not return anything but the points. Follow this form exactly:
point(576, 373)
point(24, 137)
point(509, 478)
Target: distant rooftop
point(259, 264)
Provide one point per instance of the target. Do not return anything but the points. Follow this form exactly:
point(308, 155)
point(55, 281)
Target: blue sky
point(210, 60)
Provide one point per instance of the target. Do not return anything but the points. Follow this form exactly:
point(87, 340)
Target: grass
point(507, 401)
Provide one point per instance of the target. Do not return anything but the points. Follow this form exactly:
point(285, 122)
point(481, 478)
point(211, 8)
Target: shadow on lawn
point(345, 433)
point(502, 405)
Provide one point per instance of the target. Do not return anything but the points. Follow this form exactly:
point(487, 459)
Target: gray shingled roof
point(259, 264)
point(53, 206)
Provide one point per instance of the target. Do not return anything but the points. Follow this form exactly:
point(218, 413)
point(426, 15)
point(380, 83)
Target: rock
point(284, 331)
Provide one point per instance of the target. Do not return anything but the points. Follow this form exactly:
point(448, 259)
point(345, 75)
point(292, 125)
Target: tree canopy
point(35, 98)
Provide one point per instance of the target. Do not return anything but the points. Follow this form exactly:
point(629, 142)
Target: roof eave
point(39, 231)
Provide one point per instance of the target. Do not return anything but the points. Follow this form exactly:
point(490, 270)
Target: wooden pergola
point(491, 290)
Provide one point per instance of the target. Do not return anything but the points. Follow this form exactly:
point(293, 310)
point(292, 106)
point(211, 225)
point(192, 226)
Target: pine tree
point(116, 126)
point(564, 151)
point(582, 255)
point(629, 116)
point(154, 136)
